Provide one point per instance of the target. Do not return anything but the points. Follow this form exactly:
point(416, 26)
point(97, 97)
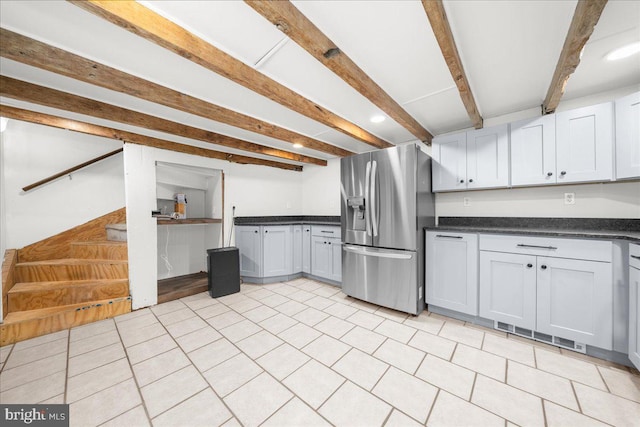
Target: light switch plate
point(569, 198)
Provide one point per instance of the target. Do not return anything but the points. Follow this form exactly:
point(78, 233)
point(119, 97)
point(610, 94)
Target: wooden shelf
point(189, 221)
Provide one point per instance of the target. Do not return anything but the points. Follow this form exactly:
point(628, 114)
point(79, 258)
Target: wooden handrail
point(73, 169)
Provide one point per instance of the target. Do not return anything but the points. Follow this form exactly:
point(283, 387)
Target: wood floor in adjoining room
point(182, 286)
point(303, 353)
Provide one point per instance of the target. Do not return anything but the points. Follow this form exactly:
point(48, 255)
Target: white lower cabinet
point(451, 279)
point(634, 304)
point(326, 258)
point(508, 288)
point(249, 242)
point(336, 260)
point(575, 300)
point(320, 257)
point(539, 284)
point(306, 249)
point(297, 248)
point(278, 251)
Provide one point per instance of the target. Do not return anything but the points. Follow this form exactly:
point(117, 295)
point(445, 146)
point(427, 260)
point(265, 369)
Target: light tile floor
point(302, 353)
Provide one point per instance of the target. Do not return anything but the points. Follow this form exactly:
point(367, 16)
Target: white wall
point(253, 190)
point(32, 152)
point(321, 189)
point(610, 200)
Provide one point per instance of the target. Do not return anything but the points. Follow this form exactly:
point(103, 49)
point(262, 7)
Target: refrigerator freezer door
point(381, 276)
point(393, 198)
point(355, 216)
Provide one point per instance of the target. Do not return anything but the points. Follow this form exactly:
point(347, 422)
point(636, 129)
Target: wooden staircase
point(54, 294)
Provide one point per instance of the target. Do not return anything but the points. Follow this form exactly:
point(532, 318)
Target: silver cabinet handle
point(563, 173)
point(325, 231)
point(549, 174)
point(448, 237)
point(635, 256)
point(553, 248)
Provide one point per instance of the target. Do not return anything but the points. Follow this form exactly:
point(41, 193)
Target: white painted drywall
point(610, 200)
point(321, 189)
point(32, 152)
point(253, 190)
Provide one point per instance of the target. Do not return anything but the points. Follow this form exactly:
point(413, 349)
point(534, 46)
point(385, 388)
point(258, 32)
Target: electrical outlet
point(569, 198)
point(466, 201)
point(288, 205)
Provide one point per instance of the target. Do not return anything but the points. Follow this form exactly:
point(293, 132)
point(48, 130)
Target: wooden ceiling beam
point(41, 95)
point(288, 19)
point(584, 20)
point(441, 29)
point(134, 17)
point(134, 138)
point(41, 55)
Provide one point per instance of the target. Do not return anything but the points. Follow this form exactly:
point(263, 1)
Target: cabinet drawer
point(634, 255)
point(325, 231)
point(594, 250)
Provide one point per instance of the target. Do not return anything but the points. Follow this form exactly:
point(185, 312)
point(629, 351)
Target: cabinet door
point(276, 246)
point(488, 157)
point(628, 136)
point(451, 271)
point(306, 249)
point(634, 316)
point(297, 249)
point(584, 144)
point(508, 288)
point(575, 300)
point(336, 259)
point(449, 170)
point(249, 243)
point(320, 257)
point(533, 151)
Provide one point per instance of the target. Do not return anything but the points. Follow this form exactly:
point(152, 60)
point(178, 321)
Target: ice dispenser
point(356, 219)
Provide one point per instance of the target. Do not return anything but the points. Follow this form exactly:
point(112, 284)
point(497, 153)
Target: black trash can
point(224, 271)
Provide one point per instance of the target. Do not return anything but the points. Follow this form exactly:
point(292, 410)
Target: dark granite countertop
point(591, 228)
point(288, 220)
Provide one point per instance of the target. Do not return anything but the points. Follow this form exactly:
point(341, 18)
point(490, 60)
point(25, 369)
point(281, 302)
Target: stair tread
point(72, 261)
point(21, 316)
point(60, 284)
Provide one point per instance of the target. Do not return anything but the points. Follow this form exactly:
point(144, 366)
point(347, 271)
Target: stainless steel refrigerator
point(386, 202)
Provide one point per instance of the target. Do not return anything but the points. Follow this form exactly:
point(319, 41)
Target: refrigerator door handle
point(361, 251)
point(367, 206)
point(374, 204)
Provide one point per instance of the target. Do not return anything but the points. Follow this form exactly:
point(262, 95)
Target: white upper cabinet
point(449, 153)
point(628, 137)
point(471, 160)
point(488, 157)
point(533, 151)
point(584, 144)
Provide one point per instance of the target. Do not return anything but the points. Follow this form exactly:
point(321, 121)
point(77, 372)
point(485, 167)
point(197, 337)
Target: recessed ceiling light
point(297, 145)
point(624, 52)
point(377, 119)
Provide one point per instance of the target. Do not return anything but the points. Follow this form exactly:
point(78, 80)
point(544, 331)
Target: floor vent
point(539, 336)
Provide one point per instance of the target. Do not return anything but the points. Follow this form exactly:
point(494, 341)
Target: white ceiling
point(509, 50)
